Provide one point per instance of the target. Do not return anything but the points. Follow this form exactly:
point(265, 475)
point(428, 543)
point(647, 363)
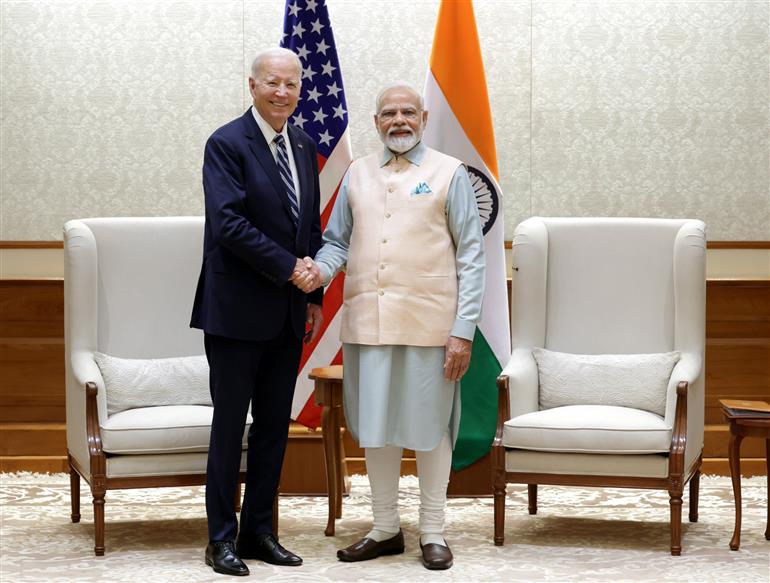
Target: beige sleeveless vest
point(401, 282)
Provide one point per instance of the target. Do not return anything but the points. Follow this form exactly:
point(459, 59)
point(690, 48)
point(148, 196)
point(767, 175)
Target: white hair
point(396, 85)
point(256, 65)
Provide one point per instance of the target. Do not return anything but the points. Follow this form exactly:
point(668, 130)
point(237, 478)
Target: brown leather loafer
point(436, 557)
point(367, 549)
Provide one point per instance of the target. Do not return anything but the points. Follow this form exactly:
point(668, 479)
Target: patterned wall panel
point(611, 108)
point(653, 109)
point(106, 106)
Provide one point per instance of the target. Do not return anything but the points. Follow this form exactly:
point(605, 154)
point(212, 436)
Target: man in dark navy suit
point(260, 180)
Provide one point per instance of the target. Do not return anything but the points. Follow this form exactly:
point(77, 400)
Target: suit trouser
point(241, 372)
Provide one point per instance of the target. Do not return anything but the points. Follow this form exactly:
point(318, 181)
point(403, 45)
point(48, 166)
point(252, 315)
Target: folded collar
point(414, 156)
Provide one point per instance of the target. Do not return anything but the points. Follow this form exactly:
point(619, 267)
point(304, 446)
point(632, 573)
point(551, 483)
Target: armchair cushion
point(589, 429)
point(153, 430)
point(133, 383)
point(638, 381)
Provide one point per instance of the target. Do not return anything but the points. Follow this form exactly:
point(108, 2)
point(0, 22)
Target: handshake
point(306, 275)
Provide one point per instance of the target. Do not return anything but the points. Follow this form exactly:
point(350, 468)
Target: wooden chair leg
point(75, 494)
point(675, 502)
point(238, 495)
point(694, 491)
point(532, 498)
point(499, 497)
point(99, 523)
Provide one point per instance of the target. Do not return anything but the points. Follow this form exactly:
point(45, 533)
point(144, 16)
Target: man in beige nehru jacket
point(406, 227)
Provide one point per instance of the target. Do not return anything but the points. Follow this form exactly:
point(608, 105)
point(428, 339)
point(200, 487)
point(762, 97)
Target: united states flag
point(322, 113)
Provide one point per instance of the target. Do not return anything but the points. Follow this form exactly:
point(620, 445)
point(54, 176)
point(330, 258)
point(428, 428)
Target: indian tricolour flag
point(460, 124)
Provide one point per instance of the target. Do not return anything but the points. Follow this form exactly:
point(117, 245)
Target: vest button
point(382, 266)
point(384, 240)
point(391, 189)
point(387, 215)
point(382, 292)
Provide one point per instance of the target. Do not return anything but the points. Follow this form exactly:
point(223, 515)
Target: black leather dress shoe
point(436, 557)
point(368, 548)
point(222, 558)
point(265, 548)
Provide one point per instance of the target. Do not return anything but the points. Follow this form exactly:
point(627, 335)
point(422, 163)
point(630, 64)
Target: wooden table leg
point(767, 462)
point(340, 460)
point(328, 395)
point(332, 463)
point(734, 453)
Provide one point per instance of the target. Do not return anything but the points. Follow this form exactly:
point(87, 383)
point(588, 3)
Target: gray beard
point(401, 144)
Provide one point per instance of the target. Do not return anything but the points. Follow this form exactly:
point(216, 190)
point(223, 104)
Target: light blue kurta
point(397, 395)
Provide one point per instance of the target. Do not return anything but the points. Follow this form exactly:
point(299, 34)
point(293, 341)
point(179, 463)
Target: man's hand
point(306, 275)
point(314, 319)
point(457, 359)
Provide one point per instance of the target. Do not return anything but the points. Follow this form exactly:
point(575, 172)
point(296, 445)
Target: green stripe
point(478, 418)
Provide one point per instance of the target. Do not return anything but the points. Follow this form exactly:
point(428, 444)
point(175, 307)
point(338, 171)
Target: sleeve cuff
point(326, 274)
point(463, 329)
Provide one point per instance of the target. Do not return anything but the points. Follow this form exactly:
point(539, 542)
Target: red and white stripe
point(326, 349)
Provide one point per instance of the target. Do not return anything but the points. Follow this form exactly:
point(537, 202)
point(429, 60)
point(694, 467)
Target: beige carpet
point(579, 534)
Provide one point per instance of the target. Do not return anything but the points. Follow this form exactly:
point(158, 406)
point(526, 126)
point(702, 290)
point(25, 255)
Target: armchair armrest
point(84, 372)
point(518, 378)
point(678, 436)
point(521, 371)
point(98, 461)
point(687, 370)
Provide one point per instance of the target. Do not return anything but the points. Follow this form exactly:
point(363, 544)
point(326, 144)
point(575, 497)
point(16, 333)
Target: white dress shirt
point(270, 134)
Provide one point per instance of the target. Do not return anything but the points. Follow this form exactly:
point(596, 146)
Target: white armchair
point(129, 285)
point(600, 286)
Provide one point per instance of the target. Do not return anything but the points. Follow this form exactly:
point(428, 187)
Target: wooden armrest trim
point(98, 460)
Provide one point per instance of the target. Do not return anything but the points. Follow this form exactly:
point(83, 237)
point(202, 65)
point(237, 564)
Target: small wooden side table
point(328, 394)
point(745, 426)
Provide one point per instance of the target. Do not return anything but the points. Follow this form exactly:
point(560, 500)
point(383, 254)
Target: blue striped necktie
point(282, 159)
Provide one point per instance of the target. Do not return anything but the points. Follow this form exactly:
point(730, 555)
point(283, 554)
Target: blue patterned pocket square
point(421, 188)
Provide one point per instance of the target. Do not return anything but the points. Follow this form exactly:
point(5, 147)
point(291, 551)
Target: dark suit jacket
point(250, 242)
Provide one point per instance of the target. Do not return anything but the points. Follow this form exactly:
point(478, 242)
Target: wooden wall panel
point(32, 380)
point(32, 384)
point(31, 308)
point(737, 343)
point(32, 351)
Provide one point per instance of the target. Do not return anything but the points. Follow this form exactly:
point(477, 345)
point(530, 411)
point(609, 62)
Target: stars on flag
point(307, 72)
point(298, 120)
point(319, 115)
point(322, 111)
point(333, 89)
point(325, 138)
point(313, 94)
point(328, 68)
point(317, 26)
point(297, 30)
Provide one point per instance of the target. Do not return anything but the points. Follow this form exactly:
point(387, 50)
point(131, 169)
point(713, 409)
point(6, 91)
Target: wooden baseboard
point(717, 437)
point(33, 439)
point(44, 464)
point(719, 466)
